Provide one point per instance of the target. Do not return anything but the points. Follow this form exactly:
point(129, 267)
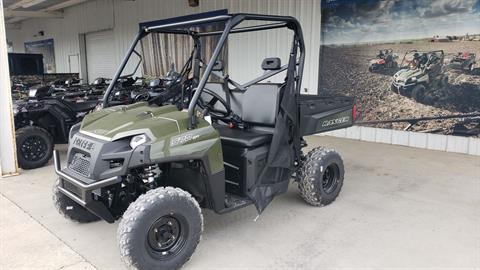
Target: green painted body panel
point(166, 127)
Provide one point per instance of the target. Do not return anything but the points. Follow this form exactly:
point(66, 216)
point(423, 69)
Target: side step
point(234, 202)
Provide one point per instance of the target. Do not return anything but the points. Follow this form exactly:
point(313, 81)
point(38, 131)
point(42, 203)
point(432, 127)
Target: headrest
point(218, 66)
point(272, 63)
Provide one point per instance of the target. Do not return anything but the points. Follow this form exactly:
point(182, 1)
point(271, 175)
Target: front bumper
point(82, 193)
point(403, 87)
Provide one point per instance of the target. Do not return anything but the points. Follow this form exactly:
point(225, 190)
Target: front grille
point(80, 164)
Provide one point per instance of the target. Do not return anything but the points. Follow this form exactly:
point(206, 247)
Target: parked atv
point(421, 73)
point(463, 61)
point(41, 123)
point(165, 90)
point(385, 59)
point(155, 167)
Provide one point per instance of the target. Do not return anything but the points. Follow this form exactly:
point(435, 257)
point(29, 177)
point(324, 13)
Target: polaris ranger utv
point(156, 167)
point(420, 73)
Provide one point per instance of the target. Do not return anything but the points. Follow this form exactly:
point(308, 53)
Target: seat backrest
point(235, 97)
point(260, 103)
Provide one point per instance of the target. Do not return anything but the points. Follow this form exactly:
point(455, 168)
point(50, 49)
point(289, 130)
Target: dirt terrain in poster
point(344, 70)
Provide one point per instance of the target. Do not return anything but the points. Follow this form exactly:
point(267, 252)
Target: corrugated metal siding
point(245, 53)
point(447, 143)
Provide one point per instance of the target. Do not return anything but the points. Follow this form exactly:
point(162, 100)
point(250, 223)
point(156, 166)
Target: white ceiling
point(19, 10)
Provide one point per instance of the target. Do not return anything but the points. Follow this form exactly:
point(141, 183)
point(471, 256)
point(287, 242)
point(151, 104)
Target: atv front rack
point(82, 193)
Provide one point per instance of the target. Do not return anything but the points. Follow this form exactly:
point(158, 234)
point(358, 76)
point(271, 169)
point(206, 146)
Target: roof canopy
point(183, 22)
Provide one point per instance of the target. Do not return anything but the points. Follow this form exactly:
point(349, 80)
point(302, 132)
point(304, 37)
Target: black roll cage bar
point(179, 25)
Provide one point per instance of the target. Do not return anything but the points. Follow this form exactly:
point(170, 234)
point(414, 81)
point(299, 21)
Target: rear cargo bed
point(325, 113)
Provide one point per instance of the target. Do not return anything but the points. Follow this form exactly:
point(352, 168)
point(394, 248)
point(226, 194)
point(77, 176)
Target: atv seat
point(82, 106)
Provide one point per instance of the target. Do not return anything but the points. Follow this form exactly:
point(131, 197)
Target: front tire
point(321, 176)
point(70, 209)
point(394, 89)
point(160, 230)
point(34, 147)
point(418, 93)
point(471, 68)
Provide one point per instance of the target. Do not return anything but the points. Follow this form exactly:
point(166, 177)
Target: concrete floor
point(399, 208)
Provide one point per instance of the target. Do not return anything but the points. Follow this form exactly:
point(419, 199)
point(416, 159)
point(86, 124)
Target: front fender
point(198, 143)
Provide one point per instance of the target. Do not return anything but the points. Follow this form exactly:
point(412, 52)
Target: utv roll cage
point(439, 53)
point(185, 25)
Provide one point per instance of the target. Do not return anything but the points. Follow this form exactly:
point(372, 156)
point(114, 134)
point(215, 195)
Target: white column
point(8, 155)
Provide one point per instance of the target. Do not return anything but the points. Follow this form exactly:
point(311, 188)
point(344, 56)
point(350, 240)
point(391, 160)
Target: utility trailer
point(155, 167)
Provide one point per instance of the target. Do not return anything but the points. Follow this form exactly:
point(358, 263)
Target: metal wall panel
point(440, 142)
point(245, 53)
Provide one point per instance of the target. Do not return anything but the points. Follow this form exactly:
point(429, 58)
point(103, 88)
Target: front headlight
point(138, 140)
point(74, 129)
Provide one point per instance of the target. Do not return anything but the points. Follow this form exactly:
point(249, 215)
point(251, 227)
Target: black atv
point(39, 124)
point(165, 90)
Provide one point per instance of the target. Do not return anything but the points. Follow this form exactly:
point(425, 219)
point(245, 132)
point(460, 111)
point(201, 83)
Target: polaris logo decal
point(84, 144)
point(336, 121)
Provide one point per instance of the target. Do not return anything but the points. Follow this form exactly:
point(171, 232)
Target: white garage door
point(100, 57)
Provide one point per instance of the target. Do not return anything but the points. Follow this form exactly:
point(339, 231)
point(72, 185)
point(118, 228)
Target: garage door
point(100, 57)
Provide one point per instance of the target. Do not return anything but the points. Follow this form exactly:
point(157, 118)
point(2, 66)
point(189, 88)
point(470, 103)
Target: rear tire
point(160, 230)
point(70, 209)
point(321, 176)
point(418, 93)
point(34, 147)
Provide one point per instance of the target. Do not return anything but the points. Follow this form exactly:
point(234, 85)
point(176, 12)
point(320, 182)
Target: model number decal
point(336, 121)
point(183, 139)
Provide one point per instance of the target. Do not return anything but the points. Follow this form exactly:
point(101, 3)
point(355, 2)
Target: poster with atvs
point(412, 64)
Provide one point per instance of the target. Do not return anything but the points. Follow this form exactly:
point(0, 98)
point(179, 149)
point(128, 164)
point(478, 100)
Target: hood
point(405, 74)
point(123, 121)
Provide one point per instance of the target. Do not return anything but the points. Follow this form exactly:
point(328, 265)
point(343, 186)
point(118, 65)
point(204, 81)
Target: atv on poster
point(405, 60)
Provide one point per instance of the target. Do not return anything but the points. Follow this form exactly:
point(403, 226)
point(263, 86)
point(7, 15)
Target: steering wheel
point(210, 105)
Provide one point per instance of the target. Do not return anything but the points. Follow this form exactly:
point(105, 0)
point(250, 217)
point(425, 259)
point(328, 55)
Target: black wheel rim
point(167, 236)
point(330, 178)
point(34, 148)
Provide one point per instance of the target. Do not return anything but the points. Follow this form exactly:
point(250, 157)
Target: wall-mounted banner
point(413, 64)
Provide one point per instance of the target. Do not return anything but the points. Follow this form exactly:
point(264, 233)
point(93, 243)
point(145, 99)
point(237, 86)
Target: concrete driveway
point(399, 208)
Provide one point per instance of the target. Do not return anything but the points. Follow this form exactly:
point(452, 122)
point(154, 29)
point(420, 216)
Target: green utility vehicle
point(155, 167)
point(420, 74)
